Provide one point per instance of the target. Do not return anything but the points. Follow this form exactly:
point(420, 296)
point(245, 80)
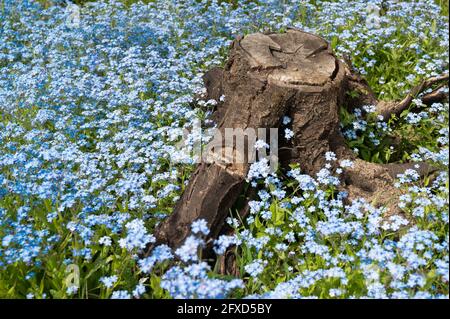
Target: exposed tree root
point(388, 109)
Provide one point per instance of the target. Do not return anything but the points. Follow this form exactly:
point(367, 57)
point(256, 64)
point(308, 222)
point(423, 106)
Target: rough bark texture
point(266, 77)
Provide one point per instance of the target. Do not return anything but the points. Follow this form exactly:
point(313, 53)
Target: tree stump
point(267, 76)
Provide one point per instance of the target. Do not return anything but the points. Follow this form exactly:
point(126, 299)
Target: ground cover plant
point(92, 98)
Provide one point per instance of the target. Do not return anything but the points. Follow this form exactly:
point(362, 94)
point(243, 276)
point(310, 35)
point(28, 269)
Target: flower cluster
point(315, 239)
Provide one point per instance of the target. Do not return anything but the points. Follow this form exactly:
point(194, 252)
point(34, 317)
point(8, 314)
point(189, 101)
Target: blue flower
point(255, 268)
point(137, 236)
point(200, 227)
point(121, 294)
point(159, 254)
point(109, 281)
point(189, 250)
